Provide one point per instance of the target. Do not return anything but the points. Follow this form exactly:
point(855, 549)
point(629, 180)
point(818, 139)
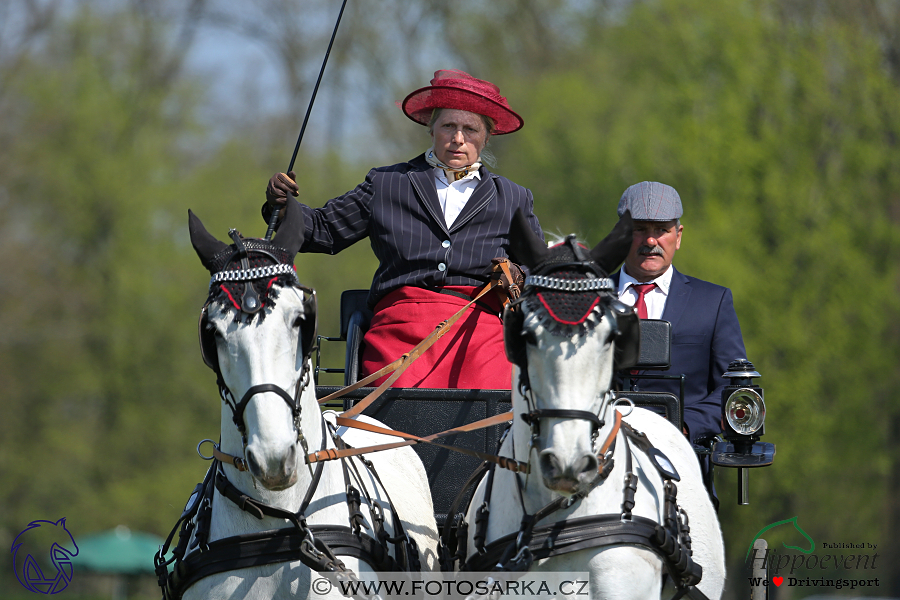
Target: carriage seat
point(355, 318)
point(656, 348)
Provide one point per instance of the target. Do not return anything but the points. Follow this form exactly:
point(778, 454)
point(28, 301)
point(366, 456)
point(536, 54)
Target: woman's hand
point(280, 185)
point(511, 283)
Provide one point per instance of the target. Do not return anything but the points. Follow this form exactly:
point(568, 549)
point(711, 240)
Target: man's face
point(653, 247)
point(459, 137)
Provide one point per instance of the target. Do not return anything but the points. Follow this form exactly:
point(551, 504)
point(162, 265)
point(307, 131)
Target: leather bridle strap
point(397, 367)
point(612, 434)
point(236, 461)
point(237, 410)
point(563, 413)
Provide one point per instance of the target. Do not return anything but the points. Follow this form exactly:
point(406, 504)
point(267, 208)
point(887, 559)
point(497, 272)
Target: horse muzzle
point(274, 470)
point(567, 477)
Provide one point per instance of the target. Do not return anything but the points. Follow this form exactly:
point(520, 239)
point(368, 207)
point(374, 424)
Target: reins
point(504, 462)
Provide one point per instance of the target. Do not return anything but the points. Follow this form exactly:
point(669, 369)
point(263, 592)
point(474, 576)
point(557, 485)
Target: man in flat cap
point(706, 335)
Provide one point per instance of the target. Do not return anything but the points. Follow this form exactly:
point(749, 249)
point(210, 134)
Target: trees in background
point(779, 126)
point(776, 121)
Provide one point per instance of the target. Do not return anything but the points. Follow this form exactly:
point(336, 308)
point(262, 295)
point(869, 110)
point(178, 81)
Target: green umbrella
point(118, 550)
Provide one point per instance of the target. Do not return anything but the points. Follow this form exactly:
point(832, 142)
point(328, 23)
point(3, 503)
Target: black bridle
point(594, 282)
point(250, 305)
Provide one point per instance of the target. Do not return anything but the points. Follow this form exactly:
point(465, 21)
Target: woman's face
point(459, 137)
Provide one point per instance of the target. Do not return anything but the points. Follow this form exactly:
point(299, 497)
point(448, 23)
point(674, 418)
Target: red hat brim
point(420, 104)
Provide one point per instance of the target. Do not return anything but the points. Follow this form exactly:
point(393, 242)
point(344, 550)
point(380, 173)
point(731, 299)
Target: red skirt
point(469, 356)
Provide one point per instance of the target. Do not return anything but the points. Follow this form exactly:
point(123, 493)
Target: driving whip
point(274, 218)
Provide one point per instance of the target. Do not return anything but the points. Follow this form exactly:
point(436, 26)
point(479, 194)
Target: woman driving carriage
point(435, 223)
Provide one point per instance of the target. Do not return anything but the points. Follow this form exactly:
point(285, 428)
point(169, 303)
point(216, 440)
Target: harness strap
point(562, 413)
point(397, 367)
point(482, 514)
point(275, 546)
point(444, 557)
point(251, 505)
point(407, 551)
point(572, 535)
point(235, 461)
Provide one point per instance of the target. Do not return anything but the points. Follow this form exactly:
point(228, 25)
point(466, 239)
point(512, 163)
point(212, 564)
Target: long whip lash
point(273, 221)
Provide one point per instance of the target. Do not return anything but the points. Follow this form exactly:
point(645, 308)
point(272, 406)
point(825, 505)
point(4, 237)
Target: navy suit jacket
point(397, 208)
point(706, 337)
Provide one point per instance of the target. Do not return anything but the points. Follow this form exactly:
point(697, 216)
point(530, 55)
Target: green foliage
point(105, 395)
point(780, 133)
point(781, 138)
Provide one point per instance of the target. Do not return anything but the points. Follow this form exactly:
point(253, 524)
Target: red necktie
point(641, 305)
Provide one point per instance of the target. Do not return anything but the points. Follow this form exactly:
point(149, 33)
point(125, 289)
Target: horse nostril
point(289, 464)
point(550, 466)
point(253, 463)
point(587, 466)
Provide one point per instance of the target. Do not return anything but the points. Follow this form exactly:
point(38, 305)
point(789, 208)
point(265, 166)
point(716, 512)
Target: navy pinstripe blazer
point(397, 208)
point(706, 336)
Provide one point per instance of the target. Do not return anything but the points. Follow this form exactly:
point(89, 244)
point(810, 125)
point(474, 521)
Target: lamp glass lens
point(745, 411)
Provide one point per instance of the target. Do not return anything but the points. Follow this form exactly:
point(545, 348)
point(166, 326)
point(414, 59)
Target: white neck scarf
point(452, 174)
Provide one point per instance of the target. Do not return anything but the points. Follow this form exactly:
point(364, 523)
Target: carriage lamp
point(743, 420)
point(745, 411)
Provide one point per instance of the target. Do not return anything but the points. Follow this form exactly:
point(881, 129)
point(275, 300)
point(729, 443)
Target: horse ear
point(205, 245)
point(614, 248)
point(292, 232)
point(525, 246)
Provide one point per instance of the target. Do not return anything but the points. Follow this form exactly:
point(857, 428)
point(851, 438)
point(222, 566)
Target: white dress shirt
point(655, 299)
point(453, 196)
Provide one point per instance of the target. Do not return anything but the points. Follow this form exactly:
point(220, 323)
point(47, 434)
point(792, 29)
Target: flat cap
point(651, 201)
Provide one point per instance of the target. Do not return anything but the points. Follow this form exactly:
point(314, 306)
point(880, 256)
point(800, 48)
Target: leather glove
point(512, 288)
point(280, 185)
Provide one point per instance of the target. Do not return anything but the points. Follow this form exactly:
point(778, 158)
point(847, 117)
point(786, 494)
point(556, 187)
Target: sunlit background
point(778, 121)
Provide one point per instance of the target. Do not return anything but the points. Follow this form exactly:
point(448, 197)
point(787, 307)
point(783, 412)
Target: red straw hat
point(459, 90)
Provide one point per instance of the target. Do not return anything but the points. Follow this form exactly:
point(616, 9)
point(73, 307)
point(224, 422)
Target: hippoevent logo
point(806, 568)
point(42, 556)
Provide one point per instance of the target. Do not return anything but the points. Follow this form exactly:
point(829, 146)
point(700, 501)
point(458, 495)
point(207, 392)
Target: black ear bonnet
point(565, 289)
point(244, 275)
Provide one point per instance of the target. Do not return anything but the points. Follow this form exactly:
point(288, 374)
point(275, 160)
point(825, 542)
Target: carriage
point(422, 411)
point(270, 372)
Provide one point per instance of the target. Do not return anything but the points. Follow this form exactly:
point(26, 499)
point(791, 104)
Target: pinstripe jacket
point(397, 208)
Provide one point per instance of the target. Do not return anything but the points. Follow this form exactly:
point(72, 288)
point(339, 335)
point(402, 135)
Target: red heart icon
point(777, 581)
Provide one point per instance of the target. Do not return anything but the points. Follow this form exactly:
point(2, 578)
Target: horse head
point(566, 336)
point(257, 331)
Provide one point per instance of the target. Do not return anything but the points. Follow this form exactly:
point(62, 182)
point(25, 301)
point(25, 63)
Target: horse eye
point(298, 321)
point(529, 337)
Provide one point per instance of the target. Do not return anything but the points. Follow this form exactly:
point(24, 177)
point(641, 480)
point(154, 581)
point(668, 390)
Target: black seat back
point(426, 411)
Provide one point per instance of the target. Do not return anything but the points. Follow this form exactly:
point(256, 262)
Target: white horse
point(258, 332)
point(562, 379)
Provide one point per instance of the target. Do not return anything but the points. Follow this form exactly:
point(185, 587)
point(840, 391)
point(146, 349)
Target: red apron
point(469, 356)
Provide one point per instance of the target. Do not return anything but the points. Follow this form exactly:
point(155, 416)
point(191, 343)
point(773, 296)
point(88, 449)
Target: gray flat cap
point(651, 201)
